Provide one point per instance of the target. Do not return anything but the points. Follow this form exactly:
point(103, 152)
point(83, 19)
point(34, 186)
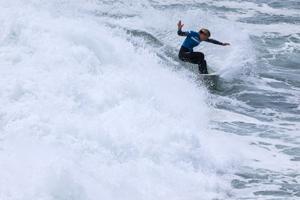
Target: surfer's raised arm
point(180, 32)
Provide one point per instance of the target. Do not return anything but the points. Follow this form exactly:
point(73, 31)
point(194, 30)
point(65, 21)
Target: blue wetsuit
point(187, 53)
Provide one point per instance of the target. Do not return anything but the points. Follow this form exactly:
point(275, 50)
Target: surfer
point(192, 40)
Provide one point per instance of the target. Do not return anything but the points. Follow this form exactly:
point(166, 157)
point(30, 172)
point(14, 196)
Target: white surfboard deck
point(210, 75)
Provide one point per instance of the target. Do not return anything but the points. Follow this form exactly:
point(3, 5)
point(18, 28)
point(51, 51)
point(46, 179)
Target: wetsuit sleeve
point(182, 33)
point(214, 41)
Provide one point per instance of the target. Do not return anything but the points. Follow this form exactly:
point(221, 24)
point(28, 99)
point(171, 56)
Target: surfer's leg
point(186, 56)
point(203, 67)
point(191, 57)
point(183, 55)
point(195, 58)
point(198, 58)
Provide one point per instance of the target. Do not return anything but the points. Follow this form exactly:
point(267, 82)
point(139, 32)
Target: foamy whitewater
point(96, 105)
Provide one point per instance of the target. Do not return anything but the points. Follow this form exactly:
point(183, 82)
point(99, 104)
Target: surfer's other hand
point(180, 25)
point(225, 44)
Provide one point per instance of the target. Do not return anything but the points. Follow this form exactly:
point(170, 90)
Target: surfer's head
point(204, 34)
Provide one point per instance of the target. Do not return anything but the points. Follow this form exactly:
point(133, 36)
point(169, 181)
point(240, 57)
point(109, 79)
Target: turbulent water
point(96, 105)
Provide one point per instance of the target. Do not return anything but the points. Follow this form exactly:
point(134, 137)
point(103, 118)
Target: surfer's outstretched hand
point(180, 25)
point(225, 44)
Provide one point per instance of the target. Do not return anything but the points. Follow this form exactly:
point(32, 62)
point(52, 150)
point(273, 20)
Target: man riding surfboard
point(192, 40)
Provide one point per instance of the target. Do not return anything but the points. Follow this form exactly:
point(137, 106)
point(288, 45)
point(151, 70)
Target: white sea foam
point(86, 115)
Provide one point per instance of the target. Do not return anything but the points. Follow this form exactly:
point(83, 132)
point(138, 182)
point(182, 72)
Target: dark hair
point(205, 32)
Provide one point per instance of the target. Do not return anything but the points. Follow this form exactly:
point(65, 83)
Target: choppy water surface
point(96, 105)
